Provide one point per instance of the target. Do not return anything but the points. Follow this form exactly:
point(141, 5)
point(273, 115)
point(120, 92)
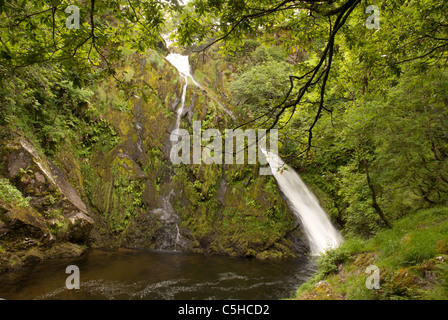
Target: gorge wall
point(126, 193)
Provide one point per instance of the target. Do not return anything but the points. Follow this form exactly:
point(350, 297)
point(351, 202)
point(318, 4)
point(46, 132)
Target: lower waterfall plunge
point(320, 232)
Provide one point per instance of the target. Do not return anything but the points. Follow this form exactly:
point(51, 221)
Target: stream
point(158, 275)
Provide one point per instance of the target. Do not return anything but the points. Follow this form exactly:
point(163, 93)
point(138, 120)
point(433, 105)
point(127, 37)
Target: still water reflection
point(154, 275)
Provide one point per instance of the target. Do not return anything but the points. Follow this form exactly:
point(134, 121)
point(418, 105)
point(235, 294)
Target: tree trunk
point(374, 204)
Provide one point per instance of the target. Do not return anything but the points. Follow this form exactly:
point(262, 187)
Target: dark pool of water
point(158, 275)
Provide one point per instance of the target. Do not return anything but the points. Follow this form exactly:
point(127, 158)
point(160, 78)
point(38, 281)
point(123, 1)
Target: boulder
point(49, 191)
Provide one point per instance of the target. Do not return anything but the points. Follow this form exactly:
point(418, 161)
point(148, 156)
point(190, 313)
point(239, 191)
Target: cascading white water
point(182, 64)
point(321, 233)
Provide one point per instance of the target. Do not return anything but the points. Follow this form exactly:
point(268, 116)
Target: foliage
point(261, 86)
point(101, 136)
point(327, 32)
point(441, 292)
point(36, 32)
point(328, 263)
point(413, 239)
point(363, 113)
point(10, 194)
point(401, 135)
point(405, 256)
point(52, 111)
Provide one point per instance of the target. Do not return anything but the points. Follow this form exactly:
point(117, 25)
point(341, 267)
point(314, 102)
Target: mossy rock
point(65, 250)
point(9, 261)
point(281, 252)
point(363, 260)
point(30, 216)
point(32, 255)
point(13, 260)
point(400, 283)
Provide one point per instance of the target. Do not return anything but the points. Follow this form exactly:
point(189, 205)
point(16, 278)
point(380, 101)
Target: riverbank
point(411, 259)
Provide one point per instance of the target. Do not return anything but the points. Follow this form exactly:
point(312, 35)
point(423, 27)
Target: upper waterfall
point(182, 64)
point(321, 233)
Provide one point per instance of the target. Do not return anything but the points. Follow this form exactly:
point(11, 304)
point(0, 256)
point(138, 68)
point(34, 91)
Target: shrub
point(329, 262)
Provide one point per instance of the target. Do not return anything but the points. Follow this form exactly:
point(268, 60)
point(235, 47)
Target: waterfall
point(320, 232)
point(182, 64)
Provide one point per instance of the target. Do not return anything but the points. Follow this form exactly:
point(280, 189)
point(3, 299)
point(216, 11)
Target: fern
point(10, 194)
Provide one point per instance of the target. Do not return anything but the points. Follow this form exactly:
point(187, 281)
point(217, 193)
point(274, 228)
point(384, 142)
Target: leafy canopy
point(329, 32)
point(35, 32)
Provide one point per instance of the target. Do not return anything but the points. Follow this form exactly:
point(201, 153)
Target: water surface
point(158, 275)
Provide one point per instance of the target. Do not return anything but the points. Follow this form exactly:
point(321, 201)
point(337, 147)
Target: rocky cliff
point(125, 192)
point(41, 214)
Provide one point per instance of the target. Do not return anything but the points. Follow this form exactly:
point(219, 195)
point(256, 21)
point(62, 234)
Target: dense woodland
point(362, 114)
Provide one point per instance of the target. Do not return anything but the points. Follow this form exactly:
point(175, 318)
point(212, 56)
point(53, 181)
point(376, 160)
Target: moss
point(9, 261)
point(155, 60)
point(58, 224)
point(128, 74)
point(67, 161)
point(124, 179)
point(399, 284)
point(442, 246)
point(278, 251)
point(65, 250)
point(254, 225)
point(363, 260)
point(9, 194)
point(116, 188)
point(29, 216)
point(32, 255)
point(323, 290)
point(20, 258)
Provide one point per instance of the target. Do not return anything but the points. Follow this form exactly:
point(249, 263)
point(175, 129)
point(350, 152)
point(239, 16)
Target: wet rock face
point(124, 183)
point(144, 201)
point(18, 159)
point(136, 198)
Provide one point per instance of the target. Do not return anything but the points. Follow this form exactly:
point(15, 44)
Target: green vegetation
point(254, 225)
point(10, 194)
point(261, 86)
point(35, 32)
point(364, 121)
point(362, 113)
point(411, 258)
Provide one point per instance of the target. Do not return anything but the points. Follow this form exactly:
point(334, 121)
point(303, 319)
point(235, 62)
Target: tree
point(411, 30)
point(35, 32)
point(261, 86)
